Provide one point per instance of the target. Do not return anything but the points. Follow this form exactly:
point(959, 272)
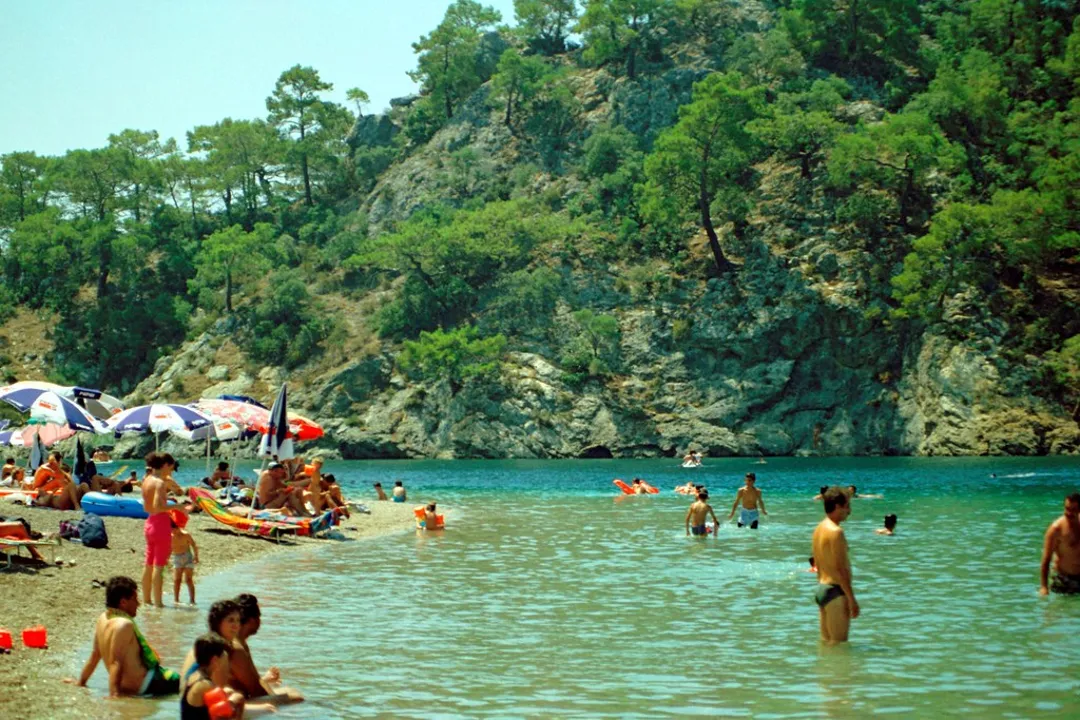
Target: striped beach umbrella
point(97, 403)
point(11, 438)
point(158, 418)
point(46, 406)
point(277, 441)
point(255, 418)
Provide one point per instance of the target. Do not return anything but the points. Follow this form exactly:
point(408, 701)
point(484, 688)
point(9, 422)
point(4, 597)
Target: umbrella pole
point(155, 442)
point(208, 454)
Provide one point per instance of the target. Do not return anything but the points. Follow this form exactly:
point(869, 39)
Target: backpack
point(69, 530)
point(92, 531)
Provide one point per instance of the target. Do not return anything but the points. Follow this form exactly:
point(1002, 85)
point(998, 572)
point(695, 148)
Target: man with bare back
point(835, 597)
point(1063, 545)
point(132, 664)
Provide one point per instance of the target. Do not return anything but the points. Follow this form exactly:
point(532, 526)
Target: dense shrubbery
point(941, 138)
point(457, 356)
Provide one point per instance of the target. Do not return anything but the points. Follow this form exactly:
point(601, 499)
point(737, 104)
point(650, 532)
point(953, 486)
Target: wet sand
point(62, 598)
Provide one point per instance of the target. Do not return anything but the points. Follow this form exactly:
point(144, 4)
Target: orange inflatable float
point(421, 519)
point(629, 489)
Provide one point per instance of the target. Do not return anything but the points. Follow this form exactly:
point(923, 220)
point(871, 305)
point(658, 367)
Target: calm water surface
point(549, 596)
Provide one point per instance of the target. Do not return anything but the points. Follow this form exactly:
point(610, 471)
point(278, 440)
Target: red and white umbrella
point(257, 419)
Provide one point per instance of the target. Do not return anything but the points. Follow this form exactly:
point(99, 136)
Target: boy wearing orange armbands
point(205, 695)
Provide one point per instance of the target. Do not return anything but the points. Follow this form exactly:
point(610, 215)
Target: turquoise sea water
point(549, 596)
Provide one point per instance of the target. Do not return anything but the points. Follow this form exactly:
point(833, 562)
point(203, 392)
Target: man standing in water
point(751, 500)
point(1063, 542)
point(835, 597)
point(695, 516)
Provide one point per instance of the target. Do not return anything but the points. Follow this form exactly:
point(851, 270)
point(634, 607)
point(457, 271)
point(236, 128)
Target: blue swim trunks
point(699, 530)
point(748, 517)
point(399, 498)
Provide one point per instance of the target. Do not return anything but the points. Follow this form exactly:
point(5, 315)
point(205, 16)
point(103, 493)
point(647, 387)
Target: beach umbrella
point(277, 441)
point(97, 403)
point(158, 418)
point(257, 419)
point(220, 429)
point(49, 434)
point(46, 406)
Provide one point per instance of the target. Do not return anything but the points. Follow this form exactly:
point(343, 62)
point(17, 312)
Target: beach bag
point(92, 531)
point(69, 530)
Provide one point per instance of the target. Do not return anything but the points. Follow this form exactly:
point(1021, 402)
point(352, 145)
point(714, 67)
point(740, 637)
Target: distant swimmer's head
point(222, 466)
point(636, 481)
point(835, 500)
point(224, 619)
point(431, 507)
point(703, 495)
point(812, 561)
point(852, 490)
point(378, 485)
point(1072, 505)
point(397, 483)
point(751, 478)
point(890, 521)
point(823, 489)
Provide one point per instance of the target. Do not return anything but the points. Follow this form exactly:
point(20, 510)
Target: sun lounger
point(301, 526)
point(13, 538)
point(264, 528)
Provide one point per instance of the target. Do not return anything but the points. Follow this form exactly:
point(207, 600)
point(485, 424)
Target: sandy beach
point(63, 599)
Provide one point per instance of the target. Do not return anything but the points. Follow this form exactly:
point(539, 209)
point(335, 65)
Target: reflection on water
point(553, 600)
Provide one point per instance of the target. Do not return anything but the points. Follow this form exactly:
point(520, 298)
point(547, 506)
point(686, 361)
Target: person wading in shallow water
point(835, 597)
point(1063, 544)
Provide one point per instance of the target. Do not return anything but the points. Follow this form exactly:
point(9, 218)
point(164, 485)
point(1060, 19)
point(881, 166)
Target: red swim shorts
point(158, 533)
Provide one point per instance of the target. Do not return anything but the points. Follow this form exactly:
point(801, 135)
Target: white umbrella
point(158, 418)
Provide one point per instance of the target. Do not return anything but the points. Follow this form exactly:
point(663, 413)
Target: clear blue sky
point(74, 71)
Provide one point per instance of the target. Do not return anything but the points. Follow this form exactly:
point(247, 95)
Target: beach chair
point(251, 526)
point(14, 538)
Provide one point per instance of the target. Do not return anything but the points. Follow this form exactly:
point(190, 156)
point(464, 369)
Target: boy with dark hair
point(696, 514)
point(211, 672)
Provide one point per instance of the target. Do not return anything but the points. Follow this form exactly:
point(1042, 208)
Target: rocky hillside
point(738, 227)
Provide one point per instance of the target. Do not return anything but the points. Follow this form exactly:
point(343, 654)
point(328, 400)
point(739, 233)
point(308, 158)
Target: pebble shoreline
point(62, 598)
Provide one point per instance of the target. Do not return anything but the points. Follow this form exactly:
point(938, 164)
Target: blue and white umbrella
point(46, 406)
point(277, 442)
point(97, 403)
point(11, 438)
point(158, 418)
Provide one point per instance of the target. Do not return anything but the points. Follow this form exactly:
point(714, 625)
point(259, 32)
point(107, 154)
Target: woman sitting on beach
point(224, 620)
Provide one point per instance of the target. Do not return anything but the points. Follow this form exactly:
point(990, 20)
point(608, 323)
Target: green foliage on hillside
point(941, 140)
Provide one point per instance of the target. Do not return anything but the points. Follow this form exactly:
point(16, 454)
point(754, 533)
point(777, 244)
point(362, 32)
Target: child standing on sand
point(185, 554)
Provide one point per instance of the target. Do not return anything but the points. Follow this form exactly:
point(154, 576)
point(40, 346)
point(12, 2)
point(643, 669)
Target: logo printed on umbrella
point(46, 405)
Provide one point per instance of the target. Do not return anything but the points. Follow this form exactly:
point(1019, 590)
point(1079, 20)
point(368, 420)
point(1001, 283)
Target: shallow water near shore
point(550, 596)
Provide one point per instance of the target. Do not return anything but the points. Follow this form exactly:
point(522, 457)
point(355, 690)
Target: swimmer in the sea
point(821, 492)
point(890, 525)
point(813, 566)
point(854, 493)
point(695, 516)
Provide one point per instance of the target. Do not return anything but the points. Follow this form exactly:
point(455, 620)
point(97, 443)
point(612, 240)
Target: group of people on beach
point(55, 484)
point(218, 678)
